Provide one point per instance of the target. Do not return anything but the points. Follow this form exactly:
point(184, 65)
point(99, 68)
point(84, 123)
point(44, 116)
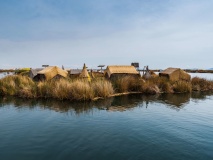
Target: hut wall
point(73, 76)
point(164, 75)
point(174, 76)
point(107, 75)
point(184, 76)
point(39, 77)
point(58, 76)
point(31, 75)
point(122, 75)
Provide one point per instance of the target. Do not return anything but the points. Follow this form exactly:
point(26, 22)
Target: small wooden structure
point(34, 72)
point(49, 73)
point(175, 74)
point(101, 66)
point(45, 65)
point(116, 71)
point(74, 73)
point(135, 64)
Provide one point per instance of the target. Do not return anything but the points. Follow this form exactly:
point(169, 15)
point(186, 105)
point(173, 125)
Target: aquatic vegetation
point(150, 88)
point(162, 83)
point(79, 89)
point(82, 89)
point(201, 84)
point(127, 84)
point(182, 86)
point(102, 88)
point(17, 85)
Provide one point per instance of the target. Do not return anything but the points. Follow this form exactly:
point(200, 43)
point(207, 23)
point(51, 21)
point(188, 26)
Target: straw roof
point(52, 71)
point(175, 74)
point(115, 69)
point(169, 70)
point(34, 72)
point(84, 72)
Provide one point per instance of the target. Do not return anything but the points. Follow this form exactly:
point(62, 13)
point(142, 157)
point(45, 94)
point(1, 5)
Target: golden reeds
point(82, 89)
point(79, 89)
point(201, 84)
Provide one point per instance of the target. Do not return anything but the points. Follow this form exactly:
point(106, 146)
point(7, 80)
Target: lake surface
point(3, 74)
point(166, 126)
point(208, 76)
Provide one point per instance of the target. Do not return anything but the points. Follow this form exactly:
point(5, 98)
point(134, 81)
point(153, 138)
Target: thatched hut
point(113, 72)
point(34, 72)
point(84, 73)
point(175, 74)
point(74, 73)
point(49, 73)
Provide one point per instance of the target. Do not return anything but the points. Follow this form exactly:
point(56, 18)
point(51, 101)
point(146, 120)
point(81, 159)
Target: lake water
point(3, 74)
point(208, 76)
point(166, 126)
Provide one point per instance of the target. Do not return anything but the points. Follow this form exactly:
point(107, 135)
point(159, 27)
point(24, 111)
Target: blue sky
point(158, 33)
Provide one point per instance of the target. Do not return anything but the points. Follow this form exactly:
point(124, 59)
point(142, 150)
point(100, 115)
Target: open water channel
point(165, 126)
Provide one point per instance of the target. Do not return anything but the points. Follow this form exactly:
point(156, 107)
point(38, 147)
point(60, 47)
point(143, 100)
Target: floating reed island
point(116, 80)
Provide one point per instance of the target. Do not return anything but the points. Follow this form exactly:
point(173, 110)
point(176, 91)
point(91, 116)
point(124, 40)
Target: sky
point(158, 33)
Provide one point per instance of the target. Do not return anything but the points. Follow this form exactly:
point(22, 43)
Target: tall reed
point(126, 84)
point(162, 83)
point(18, 85)
point(102, 88)
point(201, 84)
point(79, 89)
point(182, 86)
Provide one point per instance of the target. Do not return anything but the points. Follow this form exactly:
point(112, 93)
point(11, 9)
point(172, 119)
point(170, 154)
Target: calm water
point(168, 126)
point(208, 76)
point(3, 74)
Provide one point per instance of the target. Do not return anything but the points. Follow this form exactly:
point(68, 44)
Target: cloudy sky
point(158, 33)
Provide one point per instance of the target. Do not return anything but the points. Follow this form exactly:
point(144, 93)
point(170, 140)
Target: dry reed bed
point(157, 85)
point(23, 86)
point(79, 89)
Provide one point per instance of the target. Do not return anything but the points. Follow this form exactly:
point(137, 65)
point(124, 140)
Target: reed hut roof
point(52, 71)
point(84, 72)
point(35, 71)
point(169, 70)
point(176, 74)
point(121, 69)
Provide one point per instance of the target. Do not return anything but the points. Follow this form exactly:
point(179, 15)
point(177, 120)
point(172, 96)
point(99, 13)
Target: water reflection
point(122, 103)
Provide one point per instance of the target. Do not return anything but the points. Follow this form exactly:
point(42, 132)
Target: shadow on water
point(122, 103)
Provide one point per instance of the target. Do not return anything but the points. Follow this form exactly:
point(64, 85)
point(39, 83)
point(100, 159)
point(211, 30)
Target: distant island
point(86, 84)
